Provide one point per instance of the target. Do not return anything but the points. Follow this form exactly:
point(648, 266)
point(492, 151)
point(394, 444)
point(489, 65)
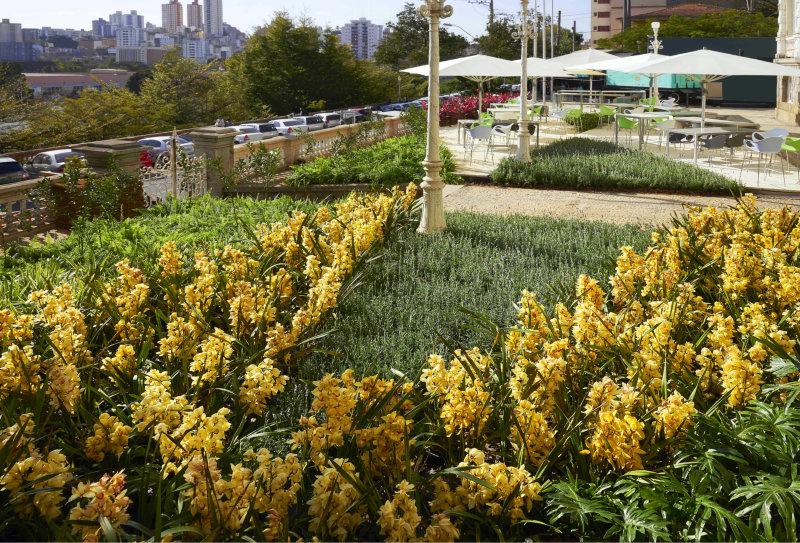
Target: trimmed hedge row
point(582, 163)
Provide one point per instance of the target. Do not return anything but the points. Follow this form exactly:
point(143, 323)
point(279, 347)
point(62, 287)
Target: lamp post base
point(524, 147)
point(433, 198)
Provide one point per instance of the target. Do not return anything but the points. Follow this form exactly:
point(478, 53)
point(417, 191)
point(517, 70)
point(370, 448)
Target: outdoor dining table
point(464, 124)
point(710, 121)
point(641, 117)
point(698, 131)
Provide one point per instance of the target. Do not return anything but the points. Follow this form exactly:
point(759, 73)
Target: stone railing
point(297, 149)
point(20, 216)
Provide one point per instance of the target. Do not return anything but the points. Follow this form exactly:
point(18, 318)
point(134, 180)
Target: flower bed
point(665, 408)
point(466, 107)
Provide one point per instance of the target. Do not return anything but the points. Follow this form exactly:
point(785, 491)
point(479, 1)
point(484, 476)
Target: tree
point(182, 93)
point(288, 67)
point(499, 40)
point(732, 23)
point(140, 74)
point(406, 41)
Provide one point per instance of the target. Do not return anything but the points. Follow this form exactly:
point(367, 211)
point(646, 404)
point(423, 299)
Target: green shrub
point(582, 163)
point(396, 161)
point(584, 122)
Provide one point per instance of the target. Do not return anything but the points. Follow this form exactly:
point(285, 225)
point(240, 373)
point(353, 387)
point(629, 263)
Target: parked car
point(331, 120)
point(267, 129)
point(50, 161)
point(289, 127)
point(248, 133)
point(312, 122)
point(11, 171)
point(158, 146)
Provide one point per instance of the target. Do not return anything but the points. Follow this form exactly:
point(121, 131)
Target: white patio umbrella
point(583, 56)
point(478, 68)
point(625, 64)
point(707, 66)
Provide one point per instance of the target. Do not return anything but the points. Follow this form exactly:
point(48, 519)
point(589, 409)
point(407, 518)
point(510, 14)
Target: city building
point(103, 29)
point(10, 32)
point(172, 16)
point(362, 36)
point(20, 52)
point(132, 19)
point(212, 16)
point(31, 35)
point(608, 16)
point(194, 48)
point(788, 53)
point(129, 36)
point(194, 15)
point(70, 84)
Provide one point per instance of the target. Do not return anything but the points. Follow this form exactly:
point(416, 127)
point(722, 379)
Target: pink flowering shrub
point(466, 107)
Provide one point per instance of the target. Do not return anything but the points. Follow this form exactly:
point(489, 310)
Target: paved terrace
point(720, 162)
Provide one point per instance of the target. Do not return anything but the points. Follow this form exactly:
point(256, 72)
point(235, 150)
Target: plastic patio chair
point(767, 146)
point(771, 133)
point(480, 133)
point(715, 142)
point(792, 145)
point(606, 113)
point(649, 103)
point(504, 131)
point(627, 124)
point(663, 127)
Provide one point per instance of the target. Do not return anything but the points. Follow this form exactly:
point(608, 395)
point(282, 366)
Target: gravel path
point(619, 208)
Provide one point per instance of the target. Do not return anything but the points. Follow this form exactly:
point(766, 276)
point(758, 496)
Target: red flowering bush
point(466, 107)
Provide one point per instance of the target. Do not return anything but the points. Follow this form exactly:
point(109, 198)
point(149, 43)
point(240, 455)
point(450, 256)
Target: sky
point(247, 14)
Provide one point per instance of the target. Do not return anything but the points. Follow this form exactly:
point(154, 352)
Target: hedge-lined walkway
point(618, 208)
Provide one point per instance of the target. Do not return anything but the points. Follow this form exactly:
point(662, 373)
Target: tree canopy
point(728, 24)
point(288, 66)
point(406, 41)
point(499, 40)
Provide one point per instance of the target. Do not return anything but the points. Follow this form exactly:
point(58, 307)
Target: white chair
point(480, 134)
point(772, 133)
point(670, 102)
point(767, 146)
point(663, 128)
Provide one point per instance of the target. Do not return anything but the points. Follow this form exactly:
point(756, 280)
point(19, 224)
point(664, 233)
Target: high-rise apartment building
point(212, 14)
point(172, 16)
point(120, 19)
point(10, 32)
point(607, 15)
point(129, 36)
point(363, 37)
point(194, 15)
point(103, 29)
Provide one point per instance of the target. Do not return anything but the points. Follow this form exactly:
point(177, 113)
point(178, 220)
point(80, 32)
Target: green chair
point(627, 124)
point(537, 111)
point(606, 113)
point(792, 145)
point(649, 103)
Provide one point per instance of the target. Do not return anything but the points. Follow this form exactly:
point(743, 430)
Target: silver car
point(158, 146)
point(50, 161)
point(331, 120)
point(312, 122)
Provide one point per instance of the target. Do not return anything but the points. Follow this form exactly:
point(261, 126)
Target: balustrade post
point(100, 155)
point(216, 145)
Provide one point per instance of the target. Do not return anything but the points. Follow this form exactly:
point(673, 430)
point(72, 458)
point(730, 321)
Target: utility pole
point(558, 36)
point(574, 35)
point(552, 45)
point(626, 14)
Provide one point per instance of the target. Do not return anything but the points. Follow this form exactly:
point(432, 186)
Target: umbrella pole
point(480, 98)
point(703, 87)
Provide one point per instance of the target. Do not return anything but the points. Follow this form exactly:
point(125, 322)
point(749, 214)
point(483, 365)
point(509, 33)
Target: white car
point(267, 129)
point(312, 122)
point(289, 127)
point(331, 120)
point(247, 134)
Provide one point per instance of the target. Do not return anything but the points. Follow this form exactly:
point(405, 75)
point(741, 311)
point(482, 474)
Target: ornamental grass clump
point(660, 404)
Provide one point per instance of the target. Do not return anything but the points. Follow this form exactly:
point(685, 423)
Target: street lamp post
point(656, 48)
point(432, 185)
point(524, 147)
